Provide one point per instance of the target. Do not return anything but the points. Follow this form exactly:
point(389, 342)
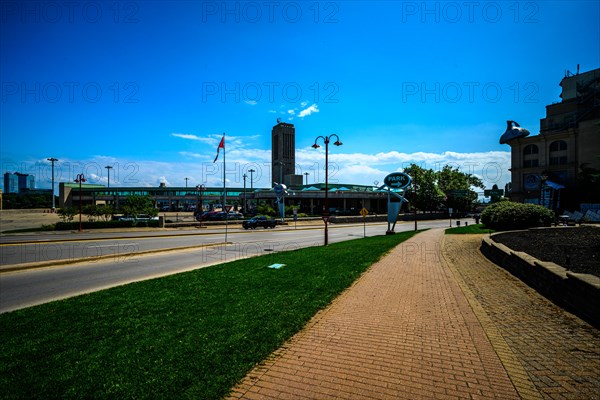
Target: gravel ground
point(577, 249)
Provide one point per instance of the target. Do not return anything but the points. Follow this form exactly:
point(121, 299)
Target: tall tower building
point(283, 155)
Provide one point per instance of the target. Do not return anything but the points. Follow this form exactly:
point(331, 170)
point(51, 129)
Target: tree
point(67, 214)
point(450, 179)
point(135, 205)
point(428, 195)
point(265, 209)
point(106, 211)
point(91, 212)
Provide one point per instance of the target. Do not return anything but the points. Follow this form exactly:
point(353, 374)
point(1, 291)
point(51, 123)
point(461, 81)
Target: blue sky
point(148, 87)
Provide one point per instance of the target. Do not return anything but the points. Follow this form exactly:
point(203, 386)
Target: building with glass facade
point(18, 182)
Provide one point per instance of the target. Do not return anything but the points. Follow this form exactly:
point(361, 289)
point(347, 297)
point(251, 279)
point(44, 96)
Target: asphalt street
point(124, 264)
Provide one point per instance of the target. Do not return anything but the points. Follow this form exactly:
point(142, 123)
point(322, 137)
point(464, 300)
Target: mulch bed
point(576, 249)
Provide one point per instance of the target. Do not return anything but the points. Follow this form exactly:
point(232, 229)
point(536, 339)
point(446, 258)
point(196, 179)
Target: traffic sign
point(459, 192)
point(325, 218)
point(397, 180)
point(228, 208)
point(493, 192)
point(364, 212)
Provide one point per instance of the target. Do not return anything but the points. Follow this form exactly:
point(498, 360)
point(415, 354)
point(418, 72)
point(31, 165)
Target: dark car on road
point(259, 221)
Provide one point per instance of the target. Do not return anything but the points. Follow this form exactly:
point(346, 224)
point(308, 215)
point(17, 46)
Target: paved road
point(69, 246)
point(35, 286)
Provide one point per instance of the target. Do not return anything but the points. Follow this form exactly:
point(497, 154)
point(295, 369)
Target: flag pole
point(225, 191)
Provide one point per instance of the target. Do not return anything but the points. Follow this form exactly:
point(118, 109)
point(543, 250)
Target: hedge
point(507, 215)
point(68, 226)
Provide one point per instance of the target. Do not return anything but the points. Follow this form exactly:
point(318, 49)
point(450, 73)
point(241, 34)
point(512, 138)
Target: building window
point(530, 163)
point(530, 156)
point(530, 149)
point(558, 152)
point(558, 145)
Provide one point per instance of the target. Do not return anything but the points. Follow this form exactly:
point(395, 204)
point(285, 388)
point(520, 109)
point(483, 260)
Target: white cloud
point(307, 111)
point(190, 154)
point(349, 168)
point(185, 136)
point(251, 102)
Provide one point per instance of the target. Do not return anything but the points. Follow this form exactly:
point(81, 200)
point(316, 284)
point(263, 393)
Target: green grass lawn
point(190, 335)
point(469, 229)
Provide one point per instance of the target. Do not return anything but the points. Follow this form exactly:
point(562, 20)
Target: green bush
point(266, 209)
point(507, 215)
point(68, 226)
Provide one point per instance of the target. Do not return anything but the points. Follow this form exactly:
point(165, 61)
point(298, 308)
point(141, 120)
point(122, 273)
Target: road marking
point(113, 245)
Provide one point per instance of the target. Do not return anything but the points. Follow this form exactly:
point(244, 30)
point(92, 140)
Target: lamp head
point(337, 143)
point(315, 146)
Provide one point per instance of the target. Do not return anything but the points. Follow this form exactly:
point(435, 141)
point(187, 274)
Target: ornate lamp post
point(326, 140)
point(108, 168)
point(80, 179)
point(251, 178)
point(200, 206)
point(53, 160)
point(281, 164)
point(186, 179)
point(252, 171)
point(306, 174)
point(244, 206)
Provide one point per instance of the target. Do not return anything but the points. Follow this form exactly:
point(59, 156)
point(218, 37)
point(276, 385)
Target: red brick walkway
point(405, 330)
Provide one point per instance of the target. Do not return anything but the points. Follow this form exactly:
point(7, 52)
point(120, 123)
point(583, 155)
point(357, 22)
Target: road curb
point(26, 266)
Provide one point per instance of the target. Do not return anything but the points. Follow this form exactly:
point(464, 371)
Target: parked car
point(145, 217)
point(235, 215)
point(206, 216)
point(139, 217)
point(260, 221)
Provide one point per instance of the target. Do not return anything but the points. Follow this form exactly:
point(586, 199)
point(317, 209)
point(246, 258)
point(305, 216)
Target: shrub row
point(68, 226)
point(507, 215)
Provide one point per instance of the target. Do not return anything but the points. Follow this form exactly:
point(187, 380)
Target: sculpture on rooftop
point(513, 131)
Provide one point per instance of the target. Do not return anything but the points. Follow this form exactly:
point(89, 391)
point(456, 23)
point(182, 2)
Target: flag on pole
point(221, 146)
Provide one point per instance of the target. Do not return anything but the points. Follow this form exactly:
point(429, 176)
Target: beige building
point(545, 167)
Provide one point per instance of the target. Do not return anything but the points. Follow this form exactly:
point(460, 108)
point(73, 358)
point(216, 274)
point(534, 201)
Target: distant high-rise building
point(283, 155)
point(17, 182)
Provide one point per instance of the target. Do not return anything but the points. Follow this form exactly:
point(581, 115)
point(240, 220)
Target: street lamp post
point(53, 160)
point(326, 140)
point(306, 174)
point(199, 205)
point(80, 179)
point(244, 207)
point(281, 164)
point(108, 168)
point(251, 178)
point(186, 179)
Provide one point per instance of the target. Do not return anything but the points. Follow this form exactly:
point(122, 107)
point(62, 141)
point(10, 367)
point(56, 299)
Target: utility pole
point(251, 178)
point(53, 160)
point(108, 168)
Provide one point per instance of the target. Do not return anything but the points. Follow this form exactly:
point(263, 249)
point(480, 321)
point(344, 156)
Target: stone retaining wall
point(579, 293)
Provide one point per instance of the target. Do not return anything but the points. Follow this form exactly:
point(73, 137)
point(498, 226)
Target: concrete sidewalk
point(412, 328)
